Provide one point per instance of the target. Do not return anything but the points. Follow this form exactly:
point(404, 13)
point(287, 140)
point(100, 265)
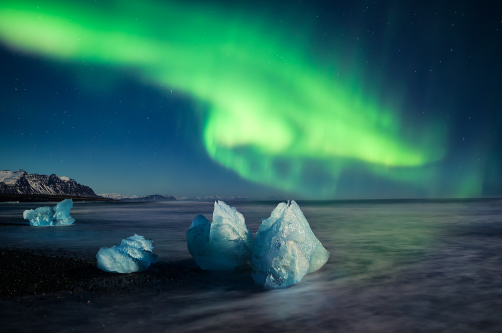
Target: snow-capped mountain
point(21, 182)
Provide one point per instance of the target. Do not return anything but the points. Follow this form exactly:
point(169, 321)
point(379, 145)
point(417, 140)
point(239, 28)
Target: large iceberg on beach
point(40, 216)
point(286, 248)
point(62, 212)
point(133, 254)
point(58, 215)
point(222, 244)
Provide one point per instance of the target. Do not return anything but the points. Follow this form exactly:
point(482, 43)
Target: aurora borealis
point(276, 103)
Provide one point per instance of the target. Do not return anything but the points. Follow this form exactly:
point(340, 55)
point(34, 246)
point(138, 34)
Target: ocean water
point(395, 266)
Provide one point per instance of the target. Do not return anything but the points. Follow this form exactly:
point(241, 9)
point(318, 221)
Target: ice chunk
point(286, 248)
point(62, 212)
point(29, 214)
point(59, 215)
point(133, 254)
point(40, 216)
point(223, 244)
point(198, 236)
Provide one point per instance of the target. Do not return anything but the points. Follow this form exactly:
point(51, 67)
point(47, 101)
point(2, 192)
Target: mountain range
point(21, 182)
point(158, 197)
point(153, 197)
point(215, 197)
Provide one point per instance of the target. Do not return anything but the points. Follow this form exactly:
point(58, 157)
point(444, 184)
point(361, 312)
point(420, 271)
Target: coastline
point(44, 197)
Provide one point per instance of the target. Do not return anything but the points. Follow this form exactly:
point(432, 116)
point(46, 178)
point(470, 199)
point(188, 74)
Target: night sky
point(306, 100)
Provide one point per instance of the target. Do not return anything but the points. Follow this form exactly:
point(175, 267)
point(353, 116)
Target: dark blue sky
point(107, 127)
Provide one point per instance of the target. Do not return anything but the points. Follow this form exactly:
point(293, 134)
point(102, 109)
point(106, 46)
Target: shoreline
point(44, 197)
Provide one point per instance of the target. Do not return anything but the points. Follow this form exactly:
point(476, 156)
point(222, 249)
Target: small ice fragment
point(62, 212)
point(286, 249)
point(223, 244)
point(133, 254)
point(29, 214)
point(115, 261)
point(59, 215)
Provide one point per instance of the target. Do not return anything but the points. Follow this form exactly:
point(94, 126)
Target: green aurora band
point(274, 114)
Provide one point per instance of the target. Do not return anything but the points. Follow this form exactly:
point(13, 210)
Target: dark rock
point(31, 288)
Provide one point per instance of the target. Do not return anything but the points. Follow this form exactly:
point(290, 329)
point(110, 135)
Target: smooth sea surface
point(395, 266)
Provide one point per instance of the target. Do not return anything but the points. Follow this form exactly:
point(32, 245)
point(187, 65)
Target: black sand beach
point(27, 272)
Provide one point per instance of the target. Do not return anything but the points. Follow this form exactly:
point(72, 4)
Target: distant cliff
point(21, 182)
point(215, 197)
point(154, 197)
